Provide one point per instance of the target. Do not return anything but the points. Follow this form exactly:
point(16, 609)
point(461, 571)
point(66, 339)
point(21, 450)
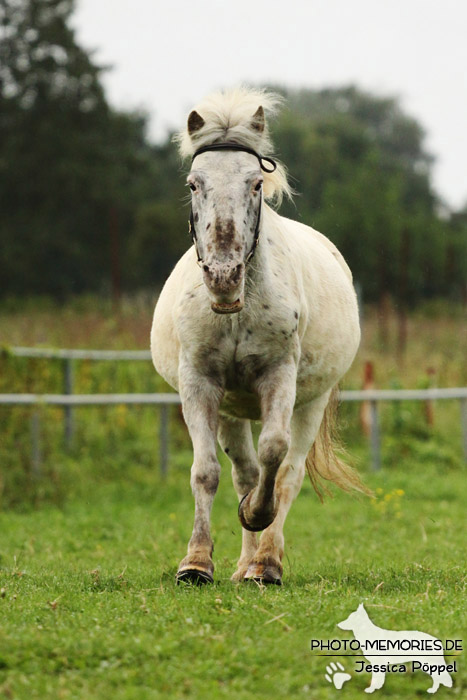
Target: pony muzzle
point(225, 286)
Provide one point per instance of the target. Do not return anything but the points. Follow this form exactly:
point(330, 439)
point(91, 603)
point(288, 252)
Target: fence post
point(365, 410)
point(68, 389)
point(463, 403)
point(375, 439)
point(36, 443)
point(429, 404)
point(164, 439)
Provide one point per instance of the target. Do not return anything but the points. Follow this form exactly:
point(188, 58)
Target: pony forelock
point(228, 116)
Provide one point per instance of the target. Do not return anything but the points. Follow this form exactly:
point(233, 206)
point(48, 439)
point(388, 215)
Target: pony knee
point(205, 477)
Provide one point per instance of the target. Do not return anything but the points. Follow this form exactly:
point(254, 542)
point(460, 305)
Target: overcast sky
point(167, 54)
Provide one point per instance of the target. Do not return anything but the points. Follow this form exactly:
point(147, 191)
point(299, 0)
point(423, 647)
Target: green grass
point(89, 546)
point(89, 608)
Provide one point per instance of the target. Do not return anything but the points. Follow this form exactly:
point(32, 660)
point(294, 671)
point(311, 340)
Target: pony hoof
point(238, 576)
point(194, 576)
point(253, 524)
point(259, 573)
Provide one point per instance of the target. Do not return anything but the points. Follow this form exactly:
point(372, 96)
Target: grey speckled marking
point(224, 234)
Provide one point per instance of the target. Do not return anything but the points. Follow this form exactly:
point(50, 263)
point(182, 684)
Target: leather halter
point(261, 159)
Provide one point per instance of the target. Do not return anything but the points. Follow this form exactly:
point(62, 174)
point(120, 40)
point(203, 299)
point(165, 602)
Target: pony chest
point(240, 349)
point(255, 352)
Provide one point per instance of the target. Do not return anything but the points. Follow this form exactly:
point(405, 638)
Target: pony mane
point(228, 116)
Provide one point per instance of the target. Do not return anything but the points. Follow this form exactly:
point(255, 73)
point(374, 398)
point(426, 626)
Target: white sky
point(167, 54)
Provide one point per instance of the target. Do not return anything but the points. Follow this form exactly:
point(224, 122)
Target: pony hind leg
point(266, 565)
point(236, 440)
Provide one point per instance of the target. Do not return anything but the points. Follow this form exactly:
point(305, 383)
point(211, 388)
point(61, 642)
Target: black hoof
point(265, 574)
point(266, 581)
point(193, 576)
point(246, 525)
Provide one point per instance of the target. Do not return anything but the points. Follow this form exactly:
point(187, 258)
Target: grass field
point(89, 607)
point(90, 546)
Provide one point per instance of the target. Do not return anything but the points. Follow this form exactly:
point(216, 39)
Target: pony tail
point(322, 462)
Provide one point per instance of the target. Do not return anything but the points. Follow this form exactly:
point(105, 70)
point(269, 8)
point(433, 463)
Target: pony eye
point(192, 187)
point(258, 186)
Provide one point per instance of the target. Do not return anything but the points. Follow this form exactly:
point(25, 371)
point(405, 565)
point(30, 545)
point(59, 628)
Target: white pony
point(258, 320)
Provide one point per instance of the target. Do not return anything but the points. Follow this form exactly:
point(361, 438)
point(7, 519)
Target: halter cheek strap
point(262, 160)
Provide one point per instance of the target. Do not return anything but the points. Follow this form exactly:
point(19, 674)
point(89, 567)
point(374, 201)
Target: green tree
point(72, 171)
point(364, 179)
point(455, 271)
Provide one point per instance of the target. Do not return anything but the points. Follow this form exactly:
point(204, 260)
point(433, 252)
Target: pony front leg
point(276, 390)
point(200, 400)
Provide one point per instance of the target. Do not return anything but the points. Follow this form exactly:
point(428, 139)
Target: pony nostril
point(206, 268)
point(237, 272)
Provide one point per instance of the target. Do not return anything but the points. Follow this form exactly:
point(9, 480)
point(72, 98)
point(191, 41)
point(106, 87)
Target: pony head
point(227, 186)
point(238, 116)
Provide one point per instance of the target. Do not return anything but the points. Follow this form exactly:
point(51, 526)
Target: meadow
point(90, 545)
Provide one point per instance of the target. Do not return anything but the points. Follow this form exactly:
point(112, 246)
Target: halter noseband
point(261, 159)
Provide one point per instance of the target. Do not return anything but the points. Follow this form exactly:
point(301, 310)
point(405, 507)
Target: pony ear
point(257, 121)
point(195, 122)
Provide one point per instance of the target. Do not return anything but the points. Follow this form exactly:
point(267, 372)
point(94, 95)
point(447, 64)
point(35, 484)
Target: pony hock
point(258, 320)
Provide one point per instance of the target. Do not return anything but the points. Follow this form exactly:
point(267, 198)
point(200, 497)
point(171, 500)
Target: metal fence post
point(36, 443)
point(68, 389)
point(463, 403)
point(375, 438)
point(164, 439)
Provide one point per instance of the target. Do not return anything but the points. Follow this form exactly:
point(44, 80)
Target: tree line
point(89, 204)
